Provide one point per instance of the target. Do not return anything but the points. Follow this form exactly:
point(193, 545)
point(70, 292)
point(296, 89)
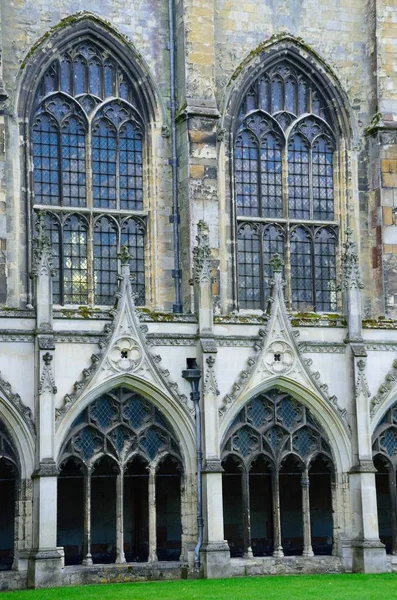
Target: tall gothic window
point(88, 145)
point(284, 190)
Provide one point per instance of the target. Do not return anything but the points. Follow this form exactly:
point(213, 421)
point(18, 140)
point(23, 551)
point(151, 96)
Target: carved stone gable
point(278, 354)
point(126, 349)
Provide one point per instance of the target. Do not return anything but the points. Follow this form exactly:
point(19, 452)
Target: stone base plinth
point(215, 560)
point(369, 556)
point(45, 568)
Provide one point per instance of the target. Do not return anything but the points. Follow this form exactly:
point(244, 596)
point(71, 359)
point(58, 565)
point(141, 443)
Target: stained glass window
point(283, 176)
point(88, 146)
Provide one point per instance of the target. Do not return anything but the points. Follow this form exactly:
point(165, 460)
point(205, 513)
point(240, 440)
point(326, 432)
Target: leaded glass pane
point(80, 76)
point(388, 442)
point(273, 243)
point(271, 178)
point(298, 178)
point(105, 260)
point(277, 95)
point(121, 438)
point(323, 180)
point(259, 412)
point(94, 74)
point(245, 442)
point(75, 278)
point(109, 79)
point(88, 442)
point(305, 442)
point(104, 161)
point(302, 269)
point(249, 268)
point(290, 96)
point(152, 442)
point(325, 270)
point(135, 412)
point(66, 75)
point(246, 165)
point(104, 413)
point(46, 160)
point(133, 236)
point(289, 413)
point(73, 163)
point(131, 169)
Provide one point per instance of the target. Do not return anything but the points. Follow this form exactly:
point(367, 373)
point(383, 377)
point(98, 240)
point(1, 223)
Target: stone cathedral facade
point(198, 288)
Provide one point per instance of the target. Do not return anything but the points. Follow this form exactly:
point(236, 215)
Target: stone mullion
point(393, 502)
point(120, 556)
point(307, 535)
point(87, 558)
point(152, 515)
point(246, 513)
point(277, 543)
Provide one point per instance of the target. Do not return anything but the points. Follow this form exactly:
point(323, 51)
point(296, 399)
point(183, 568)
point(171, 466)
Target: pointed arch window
point(284, 148)
point(88, 143)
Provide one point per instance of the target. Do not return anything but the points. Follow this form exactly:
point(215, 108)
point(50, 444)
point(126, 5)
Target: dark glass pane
point(75, 276)
point(264, 100)
point(73, 163)
point(80, 75)
point(109, 83)
point(52, 229)
point(302, 97)
point(251, 100)
point(277, 95)
point(298, 178)
point(273, 243)
point(271, 177)
point(133, 236)
point(105, 261)
point(45, 139)
point(290, 96)
point(249, 268)
point(323, 180)
point(123, 87)
point(104, 165)
point(246, 174)
point(66, 77)
point(94, 73)
point(131, 180)
point(325, 270)
point(51, 79)
point(301, 270)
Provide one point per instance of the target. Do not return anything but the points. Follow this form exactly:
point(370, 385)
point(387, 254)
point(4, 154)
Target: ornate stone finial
point(351, 277)
point(124, 256)
point(202, 254)
point(47, 358)
point(277, 263)
point(42, 249)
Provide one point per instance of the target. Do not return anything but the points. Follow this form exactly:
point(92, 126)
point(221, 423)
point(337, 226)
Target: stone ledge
point(288, 565)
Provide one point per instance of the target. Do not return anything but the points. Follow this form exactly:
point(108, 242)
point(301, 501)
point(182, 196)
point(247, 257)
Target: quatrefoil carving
point(125, 355)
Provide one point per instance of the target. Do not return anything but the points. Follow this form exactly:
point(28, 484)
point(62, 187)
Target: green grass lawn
point(298, 587)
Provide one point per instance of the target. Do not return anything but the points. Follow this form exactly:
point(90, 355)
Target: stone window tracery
point(275, 437)
point(88, 147)
point(122, 448)
point(284, 149)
